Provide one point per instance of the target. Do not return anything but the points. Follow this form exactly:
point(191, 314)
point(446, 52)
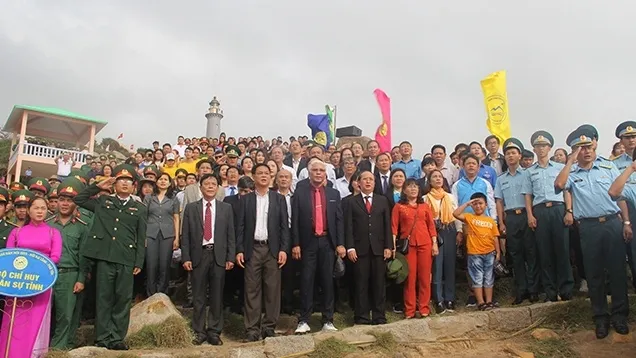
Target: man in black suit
point(382, 174)
point(369, 163)
point(369, 242)
point(262, 245)
point(296, 159)
point(234, 278)
point(208, 247)
point(317, 234)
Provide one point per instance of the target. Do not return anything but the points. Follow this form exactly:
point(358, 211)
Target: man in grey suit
point(208, 248)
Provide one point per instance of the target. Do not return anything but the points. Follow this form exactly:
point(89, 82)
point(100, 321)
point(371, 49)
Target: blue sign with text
point(25, 273)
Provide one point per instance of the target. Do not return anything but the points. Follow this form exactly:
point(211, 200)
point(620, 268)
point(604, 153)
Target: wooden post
point(21, 141)
point(91, 143)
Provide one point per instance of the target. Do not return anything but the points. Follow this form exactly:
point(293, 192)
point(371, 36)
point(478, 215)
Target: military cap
point(398, 268)
point(152, 170)
point(40, 184)
point(88, 157)
point(203, 140)
point(80, 175)
point(53, 194)
point(103, 157)
point(111, 156)
point(181, 173)
point(4, 195)
point(232, 151)
point(591, 128)
point(527, 154)
point(125, 171)
point(512, 143)
point(16, 185)
point(542, 137)
point(22, 196)
point(627, 128)
point(53, 178)
point(70, 187)
point(309, 143)
point(579, 137)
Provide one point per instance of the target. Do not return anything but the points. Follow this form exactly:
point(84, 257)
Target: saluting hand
point(575, 154)
point(106, 184)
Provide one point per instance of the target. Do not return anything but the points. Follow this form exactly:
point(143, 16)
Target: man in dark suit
point(369, 242)
point(208, 248)
point(382, 173)
point(317, 233)
point(295, 160)
point(369, 163)
point(262, 245)
point(234, 292)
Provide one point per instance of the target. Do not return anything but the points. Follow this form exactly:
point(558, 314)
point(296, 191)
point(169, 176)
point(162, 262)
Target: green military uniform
point(86, 215)
point(39, 186)
point(5, 226)
point(87, 167)
point(21, 198)
point(52, 196)
point(116, 244)
point(15, 186)
point(150, 172)
point(68, 305)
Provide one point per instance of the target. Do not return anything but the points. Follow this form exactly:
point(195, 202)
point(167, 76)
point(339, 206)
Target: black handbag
point(439, 227)
point(402, 243)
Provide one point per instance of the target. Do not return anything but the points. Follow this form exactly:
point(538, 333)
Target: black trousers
point(289, 283)
point(317, 262)
point(370, 295)
point(207, 275)
point(521, 245)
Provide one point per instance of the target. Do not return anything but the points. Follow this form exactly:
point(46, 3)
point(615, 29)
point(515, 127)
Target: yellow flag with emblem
point(496, 100)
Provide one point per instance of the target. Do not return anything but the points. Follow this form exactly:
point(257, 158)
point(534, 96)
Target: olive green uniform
point(5, 229)
point(68, 305)
point(116, 245)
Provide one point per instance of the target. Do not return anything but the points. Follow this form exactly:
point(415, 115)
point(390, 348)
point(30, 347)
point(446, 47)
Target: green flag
point(332, 123)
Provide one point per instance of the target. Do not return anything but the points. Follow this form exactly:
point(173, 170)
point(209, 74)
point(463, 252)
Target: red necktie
point(207, 224)
point(318, 212)
point(367, 200)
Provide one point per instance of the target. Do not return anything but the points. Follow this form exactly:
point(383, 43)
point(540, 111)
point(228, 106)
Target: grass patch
point(332, 348)
point(552, 348)
point(234, 326)
point(56, 353)
point(573, 316)
point(174, 332)
point(385, 340)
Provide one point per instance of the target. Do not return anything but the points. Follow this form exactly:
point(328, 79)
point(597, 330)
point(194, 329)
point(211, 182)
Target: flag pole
point(335, 126)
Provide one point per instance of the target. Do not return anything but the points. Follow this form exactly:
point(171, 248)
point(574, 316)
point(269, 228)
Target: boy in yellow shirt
point(482, 243)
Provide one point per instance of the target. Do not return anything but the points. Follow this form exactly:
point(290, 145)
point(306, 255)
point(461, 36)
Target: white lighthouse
point(214, 116)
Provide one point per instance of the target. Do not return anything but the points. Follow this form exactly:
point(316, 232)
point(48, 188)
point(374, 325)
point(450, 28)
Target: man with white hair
point(318, 151)
point(317, 232)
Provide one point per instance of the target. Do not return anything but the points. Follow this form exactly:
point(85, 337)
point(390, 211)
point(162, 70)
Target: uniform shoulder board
point(82, 221)
point(50, 218)
point(11, 223)
point(606, 165)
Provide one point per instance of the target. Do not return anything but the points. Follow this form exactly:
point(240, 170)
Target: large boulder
point(346, 142)
point(153, 310)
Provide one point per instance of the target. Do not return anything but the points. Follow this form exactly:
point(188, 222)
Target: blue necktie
point(232, 190)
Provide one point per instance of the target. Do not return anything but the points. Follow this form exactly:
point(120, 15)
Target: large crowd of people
point(253, 221)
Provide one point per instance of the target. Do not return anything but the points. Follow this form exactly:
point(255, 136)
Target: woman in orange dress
point(414, 219)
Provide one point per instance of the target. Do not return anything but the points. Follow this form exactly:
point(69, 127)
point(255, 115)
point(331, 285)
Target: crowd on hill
point(253, 221)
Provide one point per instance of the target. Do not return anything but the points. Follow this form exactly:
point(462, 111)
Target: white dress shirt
point(228, 190)
point(213, 212)
point(382, 178)
point(342, 185)
point(262, 210)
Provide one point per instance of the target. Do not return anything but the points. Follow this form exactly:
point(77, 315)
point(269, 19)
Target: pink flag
point(383, 133)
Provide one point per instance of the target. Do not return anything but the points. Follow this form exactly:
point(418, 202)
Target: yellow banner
point(496, 100)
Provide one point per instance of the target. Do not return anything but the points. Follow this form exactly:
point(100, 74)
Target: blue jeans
point(444, 266)
point(480, 269)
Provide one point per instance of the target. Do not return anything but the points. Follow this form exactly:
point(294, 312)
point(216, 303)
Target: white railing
point(42, 151)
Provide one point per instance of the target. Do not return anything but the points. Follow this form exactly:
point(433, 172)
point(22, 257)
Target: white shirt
point(262, 210)
point(213, 212)
point(123, 201)
point(331, 174)
point(228, 190)
point(342, 185)
point(372, 161)
point(382, 178)
point(64, 168)
point(181, 149)
point(288, 201)
point(295, 164)
point(450, 172)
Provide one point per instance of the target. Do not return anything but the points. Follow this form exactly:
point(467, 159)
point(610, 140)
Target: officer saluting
point(116, 244)
point(602, 233)
point(520, 242)
point(547, 217)
point(68, 288)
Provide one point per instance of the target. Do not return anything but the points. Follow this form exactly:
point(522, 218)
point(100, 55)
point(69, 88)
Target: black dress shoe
point(376, 322)
point(215, 340)
point(550, 299)
point(602, 330)
point(621, 327)
point(187, 305)
point(252, 337)
point(269, 333)
point(119, 346)
point(197, 341)
point(101, 345)
point(566, 297)
point(534, 298)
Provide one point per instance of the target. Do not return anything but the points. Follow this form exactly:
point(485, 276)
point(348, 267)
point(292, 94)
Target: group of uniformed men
point(537, 205)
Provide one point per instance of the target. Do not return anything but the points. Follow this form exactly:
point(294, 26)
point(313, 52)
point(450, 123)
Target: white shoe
point(583, 286)
point(302, 328)
point(329, 327)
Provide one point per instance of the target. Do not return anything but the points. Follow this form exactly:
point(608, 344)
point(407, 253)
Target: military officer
point(103, 159)
point(68, 290)
point(549, 214)
point(87, 166)
point(233, 153)
point(21, 200)
point(511, 210)
point(52, 203)
point(5, 226)
point(39, 187)
point(86, 215)
point(15, 186)
point(602, 233)
point(54, 181)
point(116, 245)
point(151, 173)
point(112, 159)
point(527, 158)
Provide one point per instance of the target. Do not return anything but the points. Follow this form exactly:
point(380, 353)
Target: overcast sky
point(150, 68)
